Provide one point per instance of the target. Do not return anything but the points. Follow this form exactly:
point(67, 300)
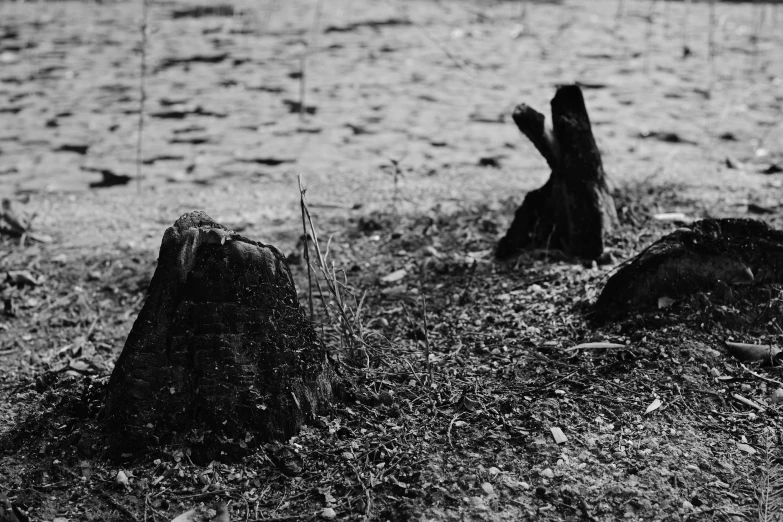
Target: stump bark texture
point(574, 209)
point(221, 346)
point(712, 254)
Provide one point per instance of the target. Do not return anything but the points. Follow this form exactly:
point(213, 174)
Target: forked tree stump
point(707, 255)
point(574, 209)
point(221, 346)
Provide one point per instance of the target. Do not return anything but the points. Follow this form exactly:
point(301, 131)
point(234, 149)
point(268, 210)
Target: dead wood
point(709, 255)
point(221, 346)
point(574, 210)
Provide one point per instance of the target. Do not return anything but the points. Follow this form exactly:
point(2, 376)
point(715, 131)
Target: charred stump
point(712, 255)
point(221, 346)
point(574, 209)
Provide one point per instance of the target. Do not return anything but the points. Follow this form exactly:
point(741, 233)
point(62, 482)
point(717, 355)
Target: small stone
point(328, 513)
point(687, 505)
point(395, 276)
point(122, 479)
point(547, 473)
point(477, 503)
point(488, 489)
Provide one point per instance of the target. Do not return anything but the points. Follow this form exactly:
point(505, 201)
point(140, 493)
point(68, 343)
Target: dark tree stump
point(221, 346)
point(574, 209)
point(708, 255)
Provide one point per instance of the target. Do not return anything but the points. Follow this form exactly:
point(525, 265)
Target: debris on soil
point(110, 179)
point(773, 168)
point(201, 11)
point(665, 136)
point(372, 24)
point(465, 364)
point(295, 107)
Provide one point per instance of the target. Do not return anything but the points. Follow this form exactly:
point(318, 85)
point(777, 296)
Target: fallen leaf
point(672, 216)
point(187, 516)
point(594, 346)
point(746, 448)
point(328, 513)
point(748, 402)
point(395, 276)
point(654, 405)
point(21, 278)
point(558, 435)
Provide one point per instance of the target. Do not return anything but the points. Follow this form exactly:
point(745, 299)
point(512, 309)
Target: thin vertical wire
point(711, 45)
point(142, 91)
point(303, 64)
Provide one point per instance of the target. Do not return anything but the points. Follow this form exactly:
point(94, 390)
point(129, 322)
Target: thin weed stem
point(306, 248)
point(347, 321)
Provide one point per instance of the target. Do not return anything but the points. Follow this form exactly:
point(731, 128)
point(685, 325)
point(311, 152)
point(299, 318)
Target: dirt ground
point(411, 161)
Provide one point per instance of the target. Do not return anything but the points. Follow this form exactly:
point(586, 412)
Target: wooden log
point(574, 210)
point(707, 255)
point(221, 346)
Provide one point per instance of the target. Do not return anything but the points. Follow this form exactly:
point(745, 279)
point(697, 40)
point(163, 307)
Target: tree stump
point(709, 255)
point(221, 346)
point(574, 209)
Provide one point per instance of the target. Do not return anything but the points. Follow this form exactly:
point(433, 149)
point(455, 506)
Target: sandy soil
point(429, 85)
point(432, 89)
